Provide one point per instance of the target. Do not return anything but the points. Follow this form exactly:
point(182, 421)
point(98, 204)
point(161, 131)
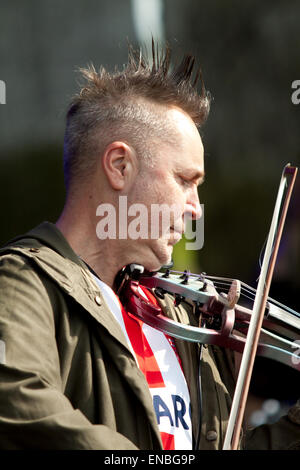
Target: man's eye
point(185, 182)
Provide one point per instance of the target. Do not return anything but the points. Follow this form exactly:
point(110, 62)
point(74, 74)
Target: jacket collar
point(49, 249)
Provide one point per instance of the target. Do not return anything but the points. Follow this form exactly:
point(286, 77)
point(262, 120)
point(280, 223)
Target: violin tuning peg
point(167, 273)
point(203, 288)
point(160, 292)
point(185, 279)
point(183, 274)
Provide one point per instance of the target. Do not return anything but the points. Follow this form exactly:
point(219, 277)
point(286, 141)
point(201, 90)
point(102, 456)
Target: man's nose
point(193, 207)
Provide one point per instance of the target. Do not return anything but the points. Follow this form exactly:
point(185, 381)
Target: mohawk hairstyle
point(167, 86)
point(130, 104)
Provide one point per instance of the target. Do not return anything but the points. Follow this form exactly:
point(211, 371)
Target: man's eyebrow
point(195, 174)
point(199, 176)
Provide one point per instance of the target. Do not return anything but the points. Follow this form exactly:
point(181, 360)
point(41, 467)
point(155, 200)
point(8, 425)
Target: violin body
point(224, 308)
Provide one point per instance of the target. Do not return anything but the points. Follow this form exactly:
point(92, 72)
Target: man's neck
point(95, 253)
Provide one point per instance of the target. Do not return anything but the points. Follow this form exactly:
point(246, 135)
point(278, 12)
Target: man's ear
point(119, 163)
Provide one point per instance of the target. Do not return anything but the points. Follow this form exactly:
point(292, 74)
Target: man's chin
point(159, 258)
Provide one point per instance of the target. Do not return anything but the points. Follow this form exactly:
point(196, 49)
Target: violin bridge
point(233, 294)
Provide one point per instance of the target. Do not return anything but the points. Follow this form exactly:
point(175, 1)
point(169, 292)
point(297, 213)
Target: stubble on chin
point(157, 255)
point(164, 253)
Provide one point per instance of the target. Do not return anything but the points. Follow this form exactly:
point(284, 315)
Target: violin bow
point(236, 416)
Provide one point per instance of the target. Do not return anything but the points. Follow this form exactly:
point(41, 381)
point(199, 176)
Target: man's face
point(172, 180)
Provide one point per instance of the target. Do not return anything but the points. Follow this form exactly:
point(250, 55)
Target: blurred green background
point(249, 53)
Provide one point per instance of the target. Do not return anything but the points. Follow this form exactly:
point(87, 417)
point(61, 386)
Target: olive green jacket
point(67, 377)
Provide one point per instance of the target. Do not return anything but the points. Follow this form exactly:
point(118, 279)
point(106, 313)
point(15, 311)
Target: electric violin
point(224, 308)
point(231, 314)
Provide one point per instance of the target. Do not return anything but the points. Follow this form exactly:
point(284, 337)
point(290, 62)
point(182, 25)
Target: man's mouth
point(176, 234)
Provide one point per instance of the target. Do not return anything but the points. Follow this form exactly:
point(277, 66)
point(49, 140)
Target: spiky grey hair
point(130, 105)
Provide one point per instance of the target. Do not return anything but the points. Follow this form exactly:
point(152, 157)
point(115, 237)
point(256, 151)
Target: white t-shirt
point(156, 356)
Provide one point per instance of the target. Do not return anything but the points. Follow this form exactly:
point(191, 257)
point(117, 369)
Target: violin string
point(243, 288)
point(246, 290)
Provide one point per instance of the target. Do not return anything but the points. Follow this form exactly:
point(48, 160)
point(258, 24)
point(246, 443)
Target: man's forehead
point(185, 148)
point(190, 151)
point(180, 117)
point(184, 125)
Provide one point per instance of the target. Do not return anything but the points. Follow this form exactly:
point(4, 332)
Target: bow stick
point(243, 381)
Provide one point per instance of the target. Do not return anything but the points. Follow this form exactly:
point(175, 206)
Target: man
point(77, 370)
